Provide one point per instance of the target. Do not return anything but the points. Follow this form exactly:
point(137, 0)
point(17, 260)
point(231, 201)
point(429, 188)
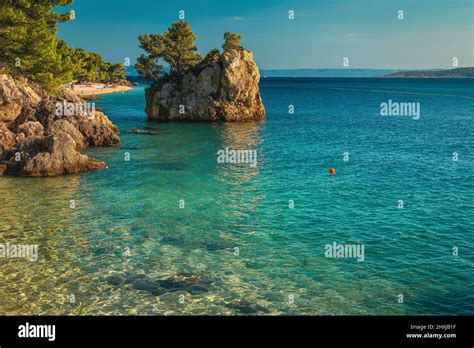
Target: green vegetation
point(29, 47)
point(232, 40)
point(89, 67)
point(176, 47)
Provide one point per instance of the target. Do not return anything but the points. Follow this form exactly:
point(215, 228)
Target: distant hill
point(327, 72)
point(451, 73)
point(301, 73)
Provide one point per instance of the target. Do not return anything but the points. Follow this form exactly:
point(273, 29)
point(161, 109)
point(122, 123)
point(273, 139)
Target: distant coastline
point(467, 72)
point(326, 72)
point(451, 73)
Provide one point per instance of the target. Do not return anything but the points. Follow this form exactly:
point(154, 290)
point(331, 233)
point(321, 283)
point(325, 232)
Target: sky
point(321, 35)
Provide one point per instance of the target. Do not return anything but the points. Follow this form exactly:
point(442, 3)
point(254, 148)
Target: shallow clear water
point(134, 205)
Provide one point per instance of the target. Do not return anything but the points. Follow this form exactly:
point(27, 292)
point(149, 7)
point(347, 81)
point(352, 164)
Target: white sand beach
point(96, 88)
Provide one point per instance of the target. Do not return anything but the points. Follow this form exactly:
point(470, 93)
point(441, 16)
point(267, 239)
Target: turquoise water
point(126, 245)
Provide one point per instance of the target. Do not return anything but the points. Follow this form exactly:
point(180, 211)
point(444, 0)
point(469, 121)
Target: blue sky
point(321, 35)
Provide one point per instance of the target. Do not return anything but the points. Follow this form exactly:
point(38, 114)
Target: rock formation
point(37, 140)
point(14, 94)
point(48, 155)
point(222, 88)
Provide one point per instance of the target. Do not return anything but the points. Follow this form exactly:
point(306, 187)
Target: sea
point(167, 229)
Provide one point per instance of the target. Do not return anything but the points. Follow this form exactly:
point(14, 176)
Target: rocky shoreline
point(42, 134)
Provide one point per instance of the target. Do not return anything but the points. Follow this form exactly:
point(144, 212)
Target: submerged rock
point(147, 285)
point(246, 307)
point(169, 240)
point(216, 247)
point(192, 283)
point(137, 282)
point(141, 131)
point(224, 88)
point(92, 97)
point(115, 280)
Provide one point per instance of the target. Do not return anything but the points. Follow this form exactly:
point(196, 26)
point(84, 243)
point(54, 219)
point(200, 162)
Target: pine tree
point(180, 49)
point(29, 45)
point(232, 40)
point(175, 46)
point(149, 68)
point(115, 73)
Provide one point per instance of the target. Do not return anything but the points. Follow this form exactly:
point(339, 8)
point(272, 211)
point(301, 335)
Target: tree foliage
point(116, 73)
point(90, 67)
point(28, 41)
point(149, 68)
point(29, 46)
point(232, 40)
point(176, 47)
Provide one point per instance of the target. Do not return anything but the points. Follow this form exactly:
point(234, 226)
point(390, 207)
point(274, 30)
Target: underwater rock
point(147, 285)
point(141, 131)
point(192, 283)
point(246, 307)
point(143, 283)
point(137, 282)
point(115, 280)
point(169, 240)
point(216, 247)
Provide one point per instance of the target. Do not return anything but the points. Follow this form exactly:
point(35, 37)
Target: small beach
point(96, 88)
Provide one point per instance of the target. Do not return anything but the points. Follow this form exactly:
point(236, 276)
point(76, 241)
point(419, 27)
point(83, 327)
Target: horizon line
point(343, 68)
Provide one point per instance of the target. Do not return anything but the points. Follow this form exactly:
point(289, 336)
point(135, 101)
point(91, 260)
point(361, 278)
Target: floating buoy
point(332, 171)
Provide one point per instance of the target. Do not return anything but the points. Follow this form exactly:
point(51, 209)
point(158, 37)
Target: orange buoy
point(332, 171)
